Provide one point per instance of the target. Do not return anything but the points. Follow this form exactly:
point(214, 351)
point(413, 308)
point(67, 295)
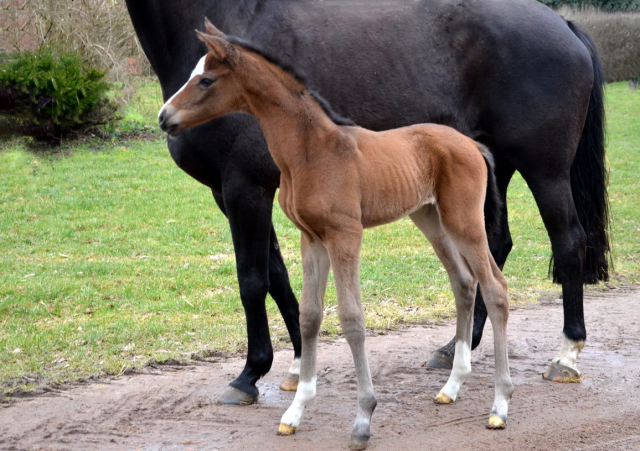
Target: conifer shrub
point(52, 95)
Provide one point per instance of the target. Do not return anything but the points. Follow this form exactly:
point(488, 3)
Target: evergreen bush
point(57, 92)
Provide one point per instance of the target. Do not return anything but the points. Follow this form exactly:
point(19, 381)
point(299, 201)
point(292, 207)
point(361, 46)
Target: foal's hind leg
point(500, 245)
point(315, 271)
point(467, 233)
point(463, 285)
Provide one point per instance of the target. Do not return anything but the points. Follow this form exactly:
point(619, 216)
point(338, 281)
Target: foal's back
point(403, 169)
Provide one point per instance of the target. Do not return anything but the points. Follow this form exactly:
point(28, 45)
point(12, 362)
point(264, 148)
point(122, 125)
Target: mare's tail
point(589, 176)
point(492, 203)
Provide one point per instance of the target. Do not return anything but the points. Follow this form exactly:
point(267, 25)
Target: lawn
point(110, 255)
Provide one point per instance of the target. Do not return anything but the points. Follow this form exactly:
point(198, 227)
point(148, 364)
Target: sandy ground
point(176, 408)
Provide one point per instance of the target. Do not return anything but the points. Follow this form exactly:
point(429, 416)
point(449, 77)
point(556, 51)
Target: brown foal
point(338, 180)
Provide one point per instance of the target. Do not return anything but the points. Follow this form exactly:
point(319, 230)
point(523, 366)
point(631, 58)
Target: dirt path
point(176, 410)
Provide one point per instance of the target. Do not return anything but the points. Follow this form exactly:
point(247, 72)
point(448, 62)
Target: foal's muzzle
point(167, 122)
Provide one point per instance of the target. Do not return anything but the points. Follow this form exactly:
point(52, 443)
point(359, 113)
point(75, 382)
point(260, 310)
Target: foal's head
point(212, 90)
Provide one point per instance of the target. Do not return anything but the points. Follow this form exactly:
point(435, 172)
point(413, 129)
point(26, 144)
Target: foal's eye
point(206, 82)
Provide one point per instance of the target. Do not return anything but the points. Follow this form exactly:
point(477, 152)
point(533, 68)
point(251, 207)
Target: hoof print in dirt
point(561, 373)
point(233, 396)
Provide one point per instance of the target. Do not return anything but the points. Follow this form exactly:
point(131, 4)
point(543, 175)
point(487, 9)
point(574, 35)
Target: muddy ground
point(176, 408)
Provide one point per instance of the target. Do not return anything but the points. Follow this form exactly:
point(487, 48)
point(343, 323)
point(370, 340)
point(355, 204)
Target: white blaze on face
point(198, 70)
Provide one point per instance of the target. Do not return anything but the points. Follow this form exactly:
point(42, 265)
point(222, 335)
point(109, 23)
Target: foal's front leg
point(315, 271)
point(344, 251)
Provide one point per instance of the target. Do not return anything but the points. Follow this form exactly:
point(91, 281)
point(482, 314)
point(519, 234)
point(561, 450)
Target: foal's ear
point(211, 29)
point(222, 50)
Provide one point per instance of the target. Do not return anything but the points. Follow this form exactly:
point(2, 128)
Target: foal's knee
point(352, 326)
point(310, 320)
point(497, 301)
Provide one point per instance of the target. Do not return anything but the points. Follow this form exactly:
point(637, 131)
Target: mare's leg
point(463, 285)
point(344, 250)
point(315, 272)
point(555, 202)
point(500, 245)
point(280, 290)
point(249, 214)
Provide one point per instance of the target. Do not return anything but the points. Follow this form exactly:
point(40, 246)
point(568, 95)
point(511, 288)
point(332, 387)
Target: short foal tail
point(492, 203)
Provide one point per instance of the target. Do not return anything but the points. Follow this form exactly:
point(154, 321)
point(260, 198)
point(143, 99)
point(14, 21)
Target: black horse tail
point(492, 202)
point(589, 176)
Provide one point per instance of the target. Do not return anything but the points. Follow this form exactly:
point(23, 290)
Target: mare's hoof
point(290, 383)
point(440, 359)
point(285, 429)
point(237, 397)
point(441, 398)
point(495, 422)
point(558, 372)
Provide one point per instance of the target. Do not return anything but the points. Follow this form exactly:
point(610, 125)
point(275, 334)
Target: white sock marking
point(304, 396)
point(294, 369)
point(461, 369)
point(568, 354)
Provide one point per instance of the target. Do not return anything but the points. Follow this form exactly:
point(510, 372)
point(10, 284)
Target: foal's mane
point(295, 73)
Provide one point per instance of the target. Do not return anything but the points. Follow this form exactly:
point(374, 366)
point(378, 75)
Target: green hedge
point(56, 91)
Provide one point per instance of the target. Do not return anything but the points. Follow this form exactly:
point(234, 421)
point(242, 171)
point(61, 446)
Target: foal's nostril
point(161, 117)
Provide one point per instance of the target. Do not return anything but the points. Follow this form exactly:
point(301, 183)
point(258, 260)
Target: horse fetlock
point(368, 402)
point(305, 396)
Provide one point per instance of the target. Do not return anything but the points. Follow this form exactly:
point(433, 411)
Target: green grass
point(115, 256)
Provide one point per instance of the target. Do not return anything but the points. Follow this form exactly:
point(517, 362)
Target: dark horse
point(513, 75)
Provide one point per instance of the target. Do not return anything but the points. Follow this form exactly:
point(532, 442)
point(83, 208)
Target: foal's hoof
point(558, 372)
point(237, 397)
point(443, 357)
point(285, 429)
point(441, 398)
point(290, 383)
point(495, 422)
point(357, 444)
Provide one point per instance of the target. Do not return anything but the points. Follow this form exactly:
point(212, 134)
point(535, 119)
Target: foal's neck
point(294, 124)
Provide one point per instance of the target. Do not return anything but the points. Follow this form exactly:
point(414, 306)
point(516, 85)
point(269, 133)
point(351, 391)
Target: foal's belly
point(381, 212)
